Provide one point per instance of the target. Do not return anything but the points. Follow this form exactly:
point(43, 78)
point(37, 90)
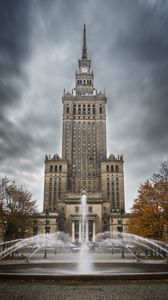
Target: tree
point(16, 210)
point(149, 216)
point(162, 175)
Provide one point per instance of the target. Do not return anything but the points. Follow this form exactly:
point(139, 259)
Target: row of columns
point(80, 231)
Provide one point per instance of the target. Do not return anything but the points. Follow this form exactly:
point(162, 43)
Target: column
point(73, 232)
point(87, 231)
point(94, 231)
point(80, 231)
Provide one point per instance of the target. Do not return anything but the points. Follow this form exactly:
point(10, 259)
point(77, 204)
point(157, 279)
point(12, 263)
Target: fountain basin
point(69, 271)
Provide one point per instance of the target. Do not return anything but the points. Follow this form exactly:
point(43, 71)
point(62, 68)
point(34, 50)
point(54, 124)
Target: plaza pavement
point(114, 290)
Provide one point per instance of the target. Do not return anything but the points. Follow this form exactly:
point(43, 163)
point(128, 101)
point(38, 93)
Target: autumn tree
point(16, 210)
point(149, 217)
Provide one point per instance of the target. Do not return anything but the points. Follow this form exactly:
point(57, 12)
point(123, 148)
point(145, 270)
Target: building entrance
point(77, 231)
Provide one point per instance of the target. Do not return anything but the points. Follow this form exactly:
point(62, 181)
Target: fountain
point(84, 262)
point(111, 253)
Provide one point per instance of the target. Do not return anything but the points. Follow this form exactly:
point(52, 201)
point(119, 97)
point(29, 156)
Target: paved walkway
point(36, 290)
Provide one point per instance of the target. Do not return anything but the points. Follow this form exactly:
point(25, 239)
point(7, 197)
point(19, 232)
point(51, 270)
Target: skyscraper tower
point(84, 129)
point(84, 164)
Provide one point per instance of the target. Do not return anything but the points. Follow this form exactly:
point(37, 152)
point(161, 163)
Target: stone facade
point(84, 164)
point(45, 224)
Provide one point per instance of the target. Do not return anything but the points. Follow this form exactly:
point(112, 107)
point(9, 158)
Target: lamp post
point(46, 231)
point(122, 247)
point(4, 230)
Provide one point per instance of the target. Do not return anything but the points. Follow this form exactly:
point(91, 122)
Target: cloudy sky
point(40, 43)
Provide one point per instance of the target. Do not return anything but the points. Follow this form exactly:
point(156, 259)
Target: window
point(107, 169)
point(60, 168)
point(76, 228)
point(84, 109)
point(100, 109)
point(35, 230)
point(67, 109)
point(55, 169)
point(48, 228)
point(119, 229)
point(90, 227)
point(76, 209)
point(74, 109)
point(112, 169)
point(79, 109)
point(90, 209)
point(94, 109)
point(116, 169)
point(51, 168)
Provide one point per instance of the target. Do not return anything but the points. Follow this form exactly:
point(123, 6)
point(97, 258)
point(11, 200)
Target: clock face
point(84, 70)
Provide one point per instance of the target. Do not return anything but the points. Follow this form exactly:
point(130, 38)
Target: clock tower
point(84, 76)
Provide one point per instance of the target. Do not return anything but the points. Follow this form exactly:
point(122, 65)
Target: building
point(84, 164)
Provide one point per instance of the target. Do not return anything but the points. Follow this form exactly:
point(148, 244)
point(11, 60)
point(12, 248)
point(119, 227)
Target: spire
point(84, 47)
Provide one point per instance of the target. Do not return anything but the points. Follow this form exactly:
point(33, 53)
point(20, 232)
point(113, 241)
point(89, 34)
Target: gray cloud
point(40, 43)
point(14, 49)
